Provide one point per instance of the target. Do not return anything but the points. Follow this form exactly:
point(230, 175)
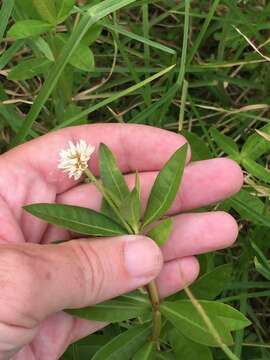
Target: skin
point(38, 280)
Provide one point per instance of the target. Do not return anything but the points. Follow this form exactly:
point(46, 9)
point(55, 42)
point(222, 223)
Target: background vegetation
point(55, 73)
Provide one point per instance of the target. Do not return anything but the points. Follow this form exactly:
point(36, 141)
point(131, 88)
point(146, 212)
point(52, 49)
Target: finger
point(13, 338)
point(78, 274)
point(58, 331)
point(204, 183)
point(208, 182)
point(199, 233)
point(135, 147)
point(176, 275)
point(83, 328)
point(10, 230)
point(49, 340)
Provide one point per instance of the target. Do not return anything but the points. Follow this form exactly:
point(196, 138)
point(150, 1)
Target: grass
point(220, 80)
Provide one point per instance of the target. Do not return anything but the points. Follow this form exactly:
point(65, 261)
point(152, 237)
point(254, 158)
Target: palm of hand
point(30, 175)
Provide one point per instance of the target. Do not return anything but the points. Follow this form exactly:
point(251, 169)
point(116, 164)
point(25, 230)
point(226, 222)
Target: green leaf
point(107, 210)
point(44, 48)
point(81, 220)
point(64, 8)
point(163, 355)
point(231, 318)
point(160, 233)
point(191, 325)
point(92, 35)
point(46, 10)
point(86, 347)
point(72, 110)
point(27, 9)
point(166, 186)
point(187, 349)
point(111, 176)
point(250, 207)
point(130, 207)
point(189, 322)
point(256, 170)
point(265, 272)
point(256, 145)
point(116, 310)
point(82, 59)
point(138, 184)
point(200, 150)
point(123, 346)
point(28, 28)
point(225, 143)
point(145, 353)
point(260, 255)
point(262, 264)
point(27, 69)
point(211, 284)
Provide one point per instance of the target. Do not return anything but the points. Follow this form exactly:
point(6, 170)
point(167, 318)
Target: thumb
point(50, 278)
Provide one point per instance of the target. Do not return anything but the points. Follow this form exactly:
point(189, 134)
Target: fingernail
point(143, 257)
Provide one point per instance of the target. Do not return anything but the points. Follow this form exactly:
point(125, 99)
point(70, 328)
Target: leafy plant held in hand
point(210, 325)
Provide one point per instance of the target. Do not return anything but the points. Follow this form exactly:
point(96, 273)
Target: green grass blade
point(114, 97)
point(240, 334)
point(183, 105)
point(145, 15)
point(92, 16)
point(167, 98)
point(6, 10)
point(10, 52)
point(133, 36)
point(202, 32)
point(130, 66)
point(261, 219)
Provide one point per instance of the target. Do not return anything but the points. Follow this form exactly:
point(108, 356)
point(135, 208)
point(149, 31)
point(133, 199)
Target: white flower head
point(74, 160)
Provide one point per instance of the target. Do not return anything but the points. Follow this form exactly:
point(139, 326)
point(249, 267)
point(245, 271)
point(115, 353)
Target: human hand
point(39, 280)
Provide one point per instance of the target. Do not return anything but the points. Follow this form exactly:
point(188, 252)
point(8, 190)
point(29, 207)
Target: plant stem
point(210, 325)
point(151, 287)
point(154, 299)
point(92, 177)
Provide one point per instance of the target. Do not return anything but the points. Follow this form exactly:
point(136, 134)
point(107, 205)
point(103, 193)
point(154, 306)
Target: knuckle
point(90, 271)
